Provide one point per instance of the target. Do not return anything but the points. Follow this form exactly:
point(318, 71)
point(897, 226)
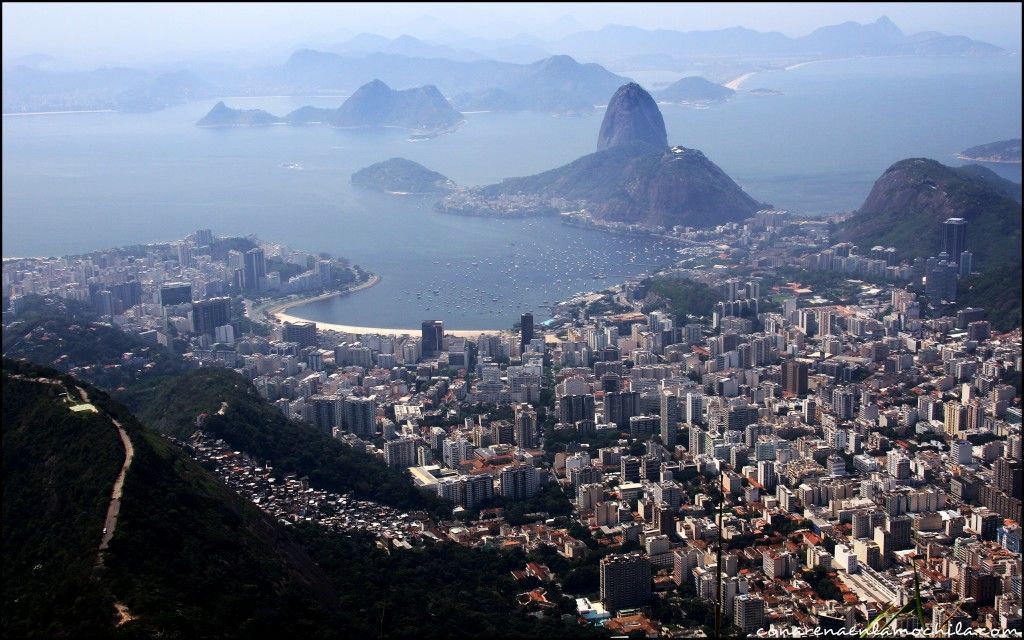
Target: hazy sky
point(128, 33)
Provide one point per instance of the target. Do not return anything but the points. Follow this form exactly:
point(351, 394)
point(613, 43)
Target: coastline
point(989, 160)
point(735, 83)
point(278, 314)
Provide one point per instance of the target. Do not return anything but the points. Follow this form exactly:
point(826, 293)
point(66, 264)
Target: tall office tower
point(966, 263)
point(525, 330)
point(941, 273)
point(1008, 477)
point(694, 408)
point(620, 407)
point(303, 333)
point(954, 237)
point(670, 417)
point(255, 270)
point(184, 253)
point(359, 416)
point(748, 612)
point(400, 453)
point(526, 427)
point(432, 334)
point(175, 293)
point(843, 400)
point(625, 581)
point(573, 408)
point(207, 315)
point(519, 482)
point(794, 377)
point(203, 237)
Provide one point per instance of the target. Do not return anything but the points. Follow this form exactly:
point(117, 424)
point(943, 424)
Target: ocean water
point(79, 182)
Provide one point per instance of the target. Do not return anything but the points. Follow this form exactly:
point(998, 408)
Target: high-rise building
point(477, 489)
point(175, 293)
point(620, 406)
point(432, 334)
point(255, 270)
point(670, 417)
point(526, 427)
point(794, 377)
point(625, 581)
point(953, 418)
point(304, 333)
point(954, 237)
point(573, 408)
point(207, 315)
point(519, 482)
point(359, 416)
point(525, 331)
point(748, 612)
point(203, 237)
point(400, 453)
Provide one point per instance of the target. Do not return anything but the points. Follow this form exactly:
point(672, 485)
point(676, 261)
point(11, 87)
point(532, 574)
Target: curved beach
point(279, 313)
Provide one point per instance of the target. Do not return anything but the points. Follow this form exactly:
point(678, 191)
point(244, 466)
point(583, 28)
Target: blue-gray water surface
point(80, 182)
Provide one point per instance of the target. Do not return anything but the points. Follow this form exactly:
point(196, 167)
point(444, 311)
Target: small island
point(694, 89)
point(1002, 152)
point(400, 176)
point(222, 115)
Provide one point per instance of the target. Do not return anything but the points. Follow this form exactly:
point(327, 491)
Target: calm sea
point(79, 182)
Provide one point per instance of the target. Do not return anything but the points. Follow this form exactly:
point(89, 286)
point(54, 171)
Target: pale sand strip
point(735, 83)
point(280, 314)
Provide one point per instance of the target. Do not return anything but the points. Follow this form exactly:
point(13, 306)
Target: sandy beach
point(279, 313)
point(735, 83)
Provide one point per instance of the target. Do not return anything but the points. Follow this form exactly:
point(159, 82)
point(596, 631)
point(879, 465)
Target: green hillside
point(909, 202)
point(189, 558)
point(252, 425)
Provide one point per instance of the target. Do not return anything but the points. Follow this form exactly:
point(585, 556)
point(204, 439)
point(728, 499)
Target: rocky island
point(694, 89)
point(1002, 152)
point(401, 176)
point(372, 105)
point(222, 115)
point(634, 178)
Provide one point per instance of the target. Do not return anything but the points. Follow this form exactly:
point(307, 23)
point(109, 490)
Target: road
point(110, 523)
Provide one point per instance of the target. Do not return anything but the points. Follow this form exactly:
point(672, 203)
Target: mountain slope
point(252, 425)
point(632, 116)
point(693, 89)
point(375, 105)
point(189, 558)
point(909, 202)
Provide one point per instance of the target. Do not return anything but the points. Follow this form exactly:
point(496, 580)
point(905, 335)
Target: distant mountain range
point(633, 177)
point(555, 84)
point(878, 38)
point(372, 105)
point(513, 74)
point(28, 90)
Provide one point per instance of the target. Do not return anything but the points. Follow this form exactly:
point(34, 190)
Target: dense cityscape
point(512, 320)
point(794, 454)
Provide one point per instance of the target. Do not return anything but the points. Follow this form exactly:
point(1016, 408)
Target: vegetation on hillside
point(680, 296)
point(252, 425)
point(58, 470)
point(998, 291)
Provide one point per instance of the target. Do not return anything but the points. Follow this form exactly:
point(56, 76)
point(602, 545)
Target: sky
point(136, 32)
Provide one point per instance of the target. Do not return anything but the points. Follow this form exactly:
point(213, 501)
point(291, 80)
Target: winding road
point(110, 523)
